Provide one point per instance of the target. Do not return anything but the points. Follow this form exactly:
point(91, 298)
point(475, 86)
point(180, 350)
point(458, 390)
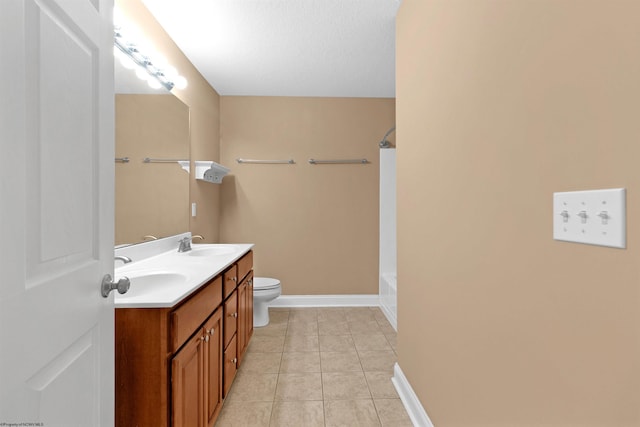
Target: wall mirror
point(152, 198)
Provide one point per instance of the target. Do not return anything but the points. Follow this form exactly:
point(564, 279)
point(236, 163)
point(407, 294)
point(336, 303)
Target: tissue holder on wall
point(210, 171)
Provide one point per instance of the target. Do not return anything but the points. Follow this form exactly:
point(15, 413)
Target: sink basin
point(211, 250)
point(143, 282)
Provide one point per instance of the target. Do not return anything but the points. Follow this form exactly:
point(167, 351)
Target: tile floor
point(317, 367)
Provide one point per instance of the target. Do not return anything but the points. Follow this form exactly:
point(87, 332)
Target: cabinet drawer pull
point(234, 278)
point(233, 314)
point(211, 331)
point(206, 338)
point(235, 360)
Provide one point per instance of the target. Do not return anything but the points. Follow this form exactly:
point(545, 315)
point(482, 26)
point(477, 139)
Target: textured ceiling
point(339, 48)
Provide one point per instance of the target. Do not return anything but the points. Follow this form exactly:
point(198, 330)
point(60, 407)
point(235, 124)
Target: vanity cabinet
point(175, 365)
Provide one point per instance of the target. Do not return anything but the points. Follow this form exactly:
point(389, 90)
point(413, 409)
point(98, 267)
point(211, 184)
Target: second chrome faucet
point(185, 243)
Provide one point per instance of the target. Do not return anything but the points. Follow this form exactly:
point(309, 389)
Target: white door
point(56, 212)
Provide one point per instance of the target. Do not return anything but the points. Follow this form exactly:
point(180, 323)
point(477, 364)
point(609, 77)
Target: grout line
point(377, 413)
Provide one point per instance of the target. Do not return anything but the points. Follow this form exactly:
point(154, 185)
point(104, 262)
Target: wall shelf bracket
point(210, 171)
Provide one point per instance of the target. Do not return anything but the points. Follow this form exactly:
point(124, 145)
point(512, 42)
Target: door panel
point(63, 142)
point(74, 365)
point(56, 212)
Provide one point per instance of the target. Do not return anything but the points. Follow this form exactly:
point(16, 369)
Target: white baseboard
point(414, 408)
point(390, 317)
point(326, 301)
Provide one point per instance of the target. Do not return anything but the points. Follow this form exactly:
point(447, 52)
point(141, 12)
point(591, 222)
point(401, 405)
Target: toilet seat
point(265, 283)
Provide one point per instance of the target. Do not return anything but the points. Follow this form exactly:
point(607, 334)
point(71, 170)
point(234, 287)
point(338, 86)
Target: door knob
point(109, 285)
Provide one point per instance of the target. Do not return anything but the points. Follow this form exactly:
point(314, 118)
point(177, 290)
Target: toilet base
point(261, 300)
point(260, 314)
point(265, 290)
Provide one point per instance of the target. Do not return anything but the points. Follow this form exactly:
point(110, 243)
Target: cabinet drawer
point(190, 315)
point(245, 264)
point(230, 278)
point(230, 318)
point(230, 365)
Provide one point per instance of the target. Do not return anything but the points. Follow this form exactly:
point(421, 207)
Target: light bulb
point(126, 61)
point(154, 84)
point(142, 73)
point(160, 61)
point(171, 72)
point(180, 82)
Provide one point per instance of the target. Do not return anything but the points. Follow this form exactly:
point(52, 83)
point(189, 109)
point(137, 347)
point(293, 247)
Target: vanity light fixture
point(155, 72)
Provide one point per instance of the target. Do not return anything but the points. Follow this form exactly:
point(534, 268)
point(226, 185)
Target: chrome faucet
point(123, 258)
point(185, 244)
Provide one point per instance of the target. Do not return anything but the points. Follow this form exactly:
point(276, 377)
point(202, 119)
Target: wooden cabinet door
point(249, 307)
point(245, 315)
point(187, 373)
point(242, 320)
point(213, 366)
point(230, 364)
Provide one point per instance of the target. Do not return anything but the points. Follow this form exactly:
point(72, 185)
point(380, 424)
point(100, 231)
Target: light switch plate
point(595, 217)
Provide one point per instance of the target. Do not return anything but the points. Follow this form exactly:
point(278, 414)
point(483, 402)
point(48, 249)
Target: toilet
point(265, 290)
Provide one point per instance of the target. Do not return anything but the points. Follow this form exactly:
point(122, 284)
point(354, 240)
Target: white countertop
point(162, 278)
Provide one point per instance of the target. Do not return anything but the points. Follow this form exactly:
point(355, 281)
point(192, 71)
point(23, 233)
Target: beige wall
point(151, 198)
point(204, 105)
point(315, 227)
point(499, 104)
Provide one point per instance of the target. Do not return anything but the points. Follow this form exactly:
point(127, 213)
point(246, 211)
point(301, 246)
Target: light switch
point(595, 217)
point(193, 209)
